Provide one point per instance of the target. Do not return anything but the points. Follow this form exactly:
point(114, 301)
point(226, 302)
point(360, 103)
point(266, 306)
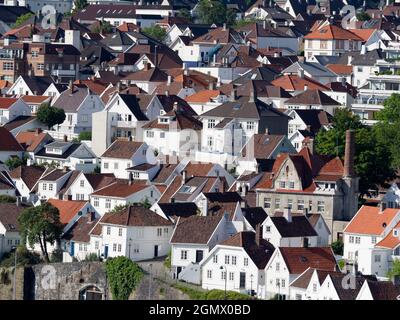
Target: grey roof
point(137, 104)
point(70, 102)
point(65, 155)
point(38, 84)
point(325, 60)
point(243, 108)
point(313, 68)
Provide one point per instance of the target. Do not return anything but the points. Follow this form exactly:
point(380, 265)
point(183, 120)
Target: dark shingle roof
point(122, 149)
point(195, 229)
point(299, 227)
point(135, 216)
point(8, 142)
point(312, 97)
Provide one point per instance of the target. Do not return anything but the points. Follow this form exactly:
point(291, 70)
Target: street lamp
point(150, 269)
point(129, 245)
point(226, 277)
point(15, 273)
point(251, 284)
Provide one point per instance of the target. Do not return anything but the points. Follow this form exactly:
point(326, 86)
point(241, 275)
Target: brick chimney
point(71, 86)
point(349, 154)
point(258, 234)
point(38, 131)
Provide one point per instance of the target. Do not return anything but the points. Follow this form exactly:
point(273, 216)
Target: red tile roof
point(300, 259)
point(332, 32)
point(68, 209)
point(371, 220)
point(390, 241)
point(295, 83)
point(203, 96)
point(6, 103)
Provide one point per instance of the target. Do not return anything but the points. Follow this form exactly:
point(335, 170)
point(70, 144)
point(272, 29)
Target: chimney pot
point(184, 174)
point(287, 213)
point(232, 98)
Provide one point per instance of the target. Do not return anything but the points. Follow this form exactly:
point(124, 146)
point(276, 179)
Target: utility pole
point(150, 269)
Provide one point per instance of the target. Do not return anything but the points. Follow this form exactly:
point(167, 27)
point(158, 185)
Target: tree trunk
point(41, 245)
point(46, 254)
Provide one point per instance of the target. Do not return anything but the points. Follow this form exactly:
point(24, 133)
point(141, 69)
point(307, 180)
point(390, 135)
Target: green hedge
point(212, 294)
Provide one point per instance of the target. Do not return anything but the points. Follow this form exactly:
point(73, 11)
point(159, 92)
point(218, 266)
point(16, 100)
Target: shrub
point(230, 295)
point(56, 256)
point(337, 247)
point(92, 257)
point(24, 258)
point(124, 276)
point(7, 199)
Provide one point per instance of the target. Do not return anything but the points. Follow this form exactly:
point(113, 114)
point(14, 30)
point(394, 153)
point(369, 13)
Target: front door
point(242, 283)
point(155, 251)
point(105, 251)
point(71, 248)
point(199, 255)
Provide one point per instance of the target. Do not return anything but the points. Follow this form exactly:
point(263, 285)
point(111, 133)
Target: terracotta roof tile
point(299, 259)
point(332, 32)
point(67, 208)
point(370, 220)
point(122, 149)
point(390, 241)
point(6, 103)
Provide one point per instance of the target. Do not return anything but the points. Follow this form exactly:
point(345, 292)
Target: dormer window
point(163, 120)
point(395, 233)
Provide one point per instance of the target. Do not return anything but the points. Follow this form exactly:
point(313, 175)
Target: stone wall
point(7, 283)
point(65, 281)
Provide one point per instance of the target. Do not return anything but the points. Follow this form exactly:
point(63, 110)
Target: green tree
point(372, 159)
point(124, 275)
point(230, 17)
point(395, 269)
point(25, 257)
point(41, 225)
point(80, 4)
point(50, 115)
point(388, 127)
point(363, 16)
point(22, 19)
point(85, 135)
point(7, 199)
point(104, 27)
point(185, 13)
point(212, 11)
point(15, 162)
point(155, 32)
point(337, 247)
point(146, 203)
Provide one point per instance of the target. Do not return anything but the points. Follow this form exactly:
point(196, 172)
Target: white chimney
point(349, 60)
point(363, 49)
point(287, 214)
point(305, 87)
point(73, 37)
point(169, 80)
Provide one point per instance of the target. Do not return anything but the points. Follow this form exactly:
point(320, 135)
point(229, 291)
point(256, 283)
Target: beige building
point(311, 183)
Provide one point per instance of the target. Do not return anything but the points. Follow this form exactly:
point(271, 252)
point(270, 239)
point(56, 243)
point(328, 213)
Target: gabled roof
point(71, 100)
point(30, 140)
point(37, 84)
point(243, 108)
point(291, 82)
point(220, 36)
point(135, 216)
point(150, 75)
point(259, 254)
point(314, 118)
point(181, 120)
point(122, 149)
point(8, 142)
point(299, 259)
point(262, 145)
point(80, 230)
point(383, 290)
point(254, 215)
point(6, 103)
point(390, 241)
point(312, 97)
point(371, 220)
point(179, 209)
point(304, 279)
point(121, 189)
point(195, 229)
point(29, 174)
point(9, 213)
point(67, 208)
point(332, 32)
point(298, 227)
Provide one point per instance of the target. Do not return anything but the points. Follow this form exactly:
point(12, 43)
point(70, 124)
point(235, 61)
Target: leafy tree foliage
point(22, 19)
point(50, 115)
point(363, 16)
point(388, 127)
point(25, 257)
point(372, 157)
point(80, 4)
point(337, 247)
point(85, 135)
point(15, 162)
point(155, 32)
point(212, 11)
point(41, 225)
point(124, 275)
point(104, 27)
point(395, 270)
point(7, 199)
point(185, 13)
